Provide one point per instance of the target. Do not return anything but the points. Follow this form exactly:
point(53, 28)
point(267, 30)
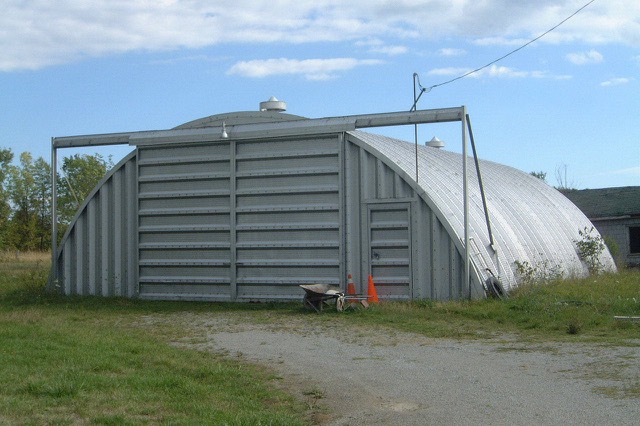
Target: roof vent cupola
point(273, 104)
point(435, 143)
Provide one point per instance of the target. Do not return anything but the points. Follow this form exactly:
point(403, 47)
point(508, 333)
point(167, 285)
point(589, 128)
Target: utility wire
point(428, 89)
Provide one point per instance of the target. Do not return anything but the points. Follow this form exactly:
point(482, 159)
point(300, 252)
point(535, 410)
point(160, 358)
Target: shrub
point(590, 247)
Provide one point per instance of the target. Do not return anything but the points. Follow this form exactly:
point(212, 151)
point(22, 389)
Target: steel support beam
point(273, 129)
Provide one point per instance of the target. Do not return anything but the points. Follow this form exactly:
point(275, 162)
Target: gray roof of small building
point(607, 202)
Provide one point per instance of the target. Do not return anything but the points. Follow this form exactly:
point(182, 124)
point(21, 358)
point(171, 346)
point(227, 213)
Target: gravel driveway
point(370, 377)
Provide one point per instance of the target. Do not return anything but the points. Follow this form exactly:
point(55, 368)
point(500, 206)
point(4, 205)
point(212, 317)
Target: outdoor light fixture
point(224, 131)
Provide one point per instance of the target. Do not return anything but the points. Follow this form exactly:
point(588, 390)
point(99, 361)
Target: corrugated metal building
point(248, 206)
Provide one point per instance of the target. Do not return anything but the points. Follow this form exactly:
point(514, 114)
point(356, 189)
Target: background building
point(615, 212)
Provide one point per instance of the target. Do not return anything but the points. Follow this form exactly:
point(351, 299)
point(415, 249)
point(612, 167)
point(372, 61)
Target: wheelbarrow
point(318, 295)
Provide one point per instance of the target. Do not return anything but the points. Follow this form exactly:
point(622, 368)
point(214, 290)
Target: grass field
point(84, 361)
point(68, 360)
point(571, 310)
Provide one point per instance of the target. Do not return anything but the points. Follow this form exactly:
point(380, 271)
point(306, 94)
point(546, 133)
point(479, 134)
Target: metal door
point(389, 249)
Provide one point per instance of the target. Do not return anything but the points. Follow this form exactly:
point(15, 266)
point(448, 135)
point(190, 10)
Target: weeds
point(590, 246)
point(540, 272)
point(574, 327)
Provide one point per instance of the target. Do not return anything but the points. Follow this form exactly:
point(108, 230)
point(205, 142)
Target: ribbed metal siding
point(420, 258)
point(389, 240)
point(385, 212)
point(97, 254)
point(240, 219)
point(531, 221)
point(287, 210)
point(184, 226)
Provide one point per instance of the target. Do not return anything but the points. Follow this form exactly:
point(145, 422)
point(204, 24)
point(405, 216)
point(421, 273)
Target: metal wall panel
point(184, 230)
point(247, 220)
point(417, 257)
point(531, 221)
point(288, 216)
point(97, 254)
point(389, 248)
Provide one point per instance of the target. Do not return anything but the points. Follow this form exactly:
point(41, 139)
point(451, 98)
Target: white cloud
point(500, 41)
point(311, 69)
point(615, 82)
point(582, 58)
point(390, 50)
point(371, 42)
point(448, 71)
point(448, 51)
point(376, 45)
point(40, 33)
point(631, 171)
point(186, 59)
point(496, 71)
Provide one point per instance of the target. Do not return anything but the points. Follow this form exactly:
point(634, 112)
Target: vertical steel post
point(465, 196)
point(54, 212)
point(415, 126)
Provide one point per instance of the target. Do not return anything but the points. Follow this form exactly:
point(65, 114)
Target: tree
point(563, 180)
point(540, 175)
point(6, 157)
point(26, 196)
point(80, 175)
point(22, 190)
point(43, 198)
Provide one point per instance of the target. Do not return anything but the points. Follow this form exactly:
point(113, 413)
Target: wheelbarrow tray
point(316, 295)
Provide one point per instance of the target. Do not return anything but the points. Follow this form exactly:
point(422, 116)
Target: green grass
point(86, 360)
point(68, 360)
point(580, 309)
point(571, 310)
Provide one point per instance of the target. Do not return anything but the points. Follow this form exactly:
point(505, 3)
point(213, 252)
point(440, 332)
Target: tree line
point(26, 196)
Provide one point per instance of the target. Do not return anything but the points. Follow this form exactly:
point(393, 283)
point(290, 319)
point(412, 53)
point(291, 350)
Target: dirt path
point(373, 378)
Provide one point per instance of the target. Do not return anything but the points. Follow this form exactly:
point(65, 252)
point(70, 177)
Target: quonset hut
point(247, 206)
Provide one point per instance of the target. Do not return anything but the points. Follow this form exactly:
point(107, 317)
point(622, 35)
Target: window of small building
point(634, 239)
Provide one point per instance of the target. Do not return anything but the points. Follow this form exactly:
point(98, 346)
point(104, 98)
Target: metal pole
point(54, 211)
point(484, 198)
point(415, 126)
point(465, 196)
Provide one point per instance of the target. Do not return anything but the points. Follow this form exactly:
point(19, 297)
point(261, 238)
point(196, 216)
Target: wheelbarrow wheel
point(340, 302)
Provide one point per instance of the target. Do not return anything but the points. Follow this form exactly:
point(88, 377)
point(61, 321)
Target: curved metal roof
point(241, 117)
point(531, 221)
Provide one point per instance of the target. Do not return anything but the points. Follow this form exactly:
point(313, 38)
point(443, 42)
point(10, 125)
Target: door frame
point(366, 249)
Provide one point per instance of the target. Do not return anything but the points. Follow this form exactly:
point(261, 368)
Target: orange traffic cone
point(351, 287)
point(373, 294)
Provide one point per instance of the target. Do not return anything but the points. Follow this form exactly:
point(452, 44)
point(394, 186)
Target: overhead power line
point(428, 89)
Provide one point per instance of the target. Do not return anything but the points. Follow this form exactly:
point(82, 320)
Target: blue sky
point(569, 101)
